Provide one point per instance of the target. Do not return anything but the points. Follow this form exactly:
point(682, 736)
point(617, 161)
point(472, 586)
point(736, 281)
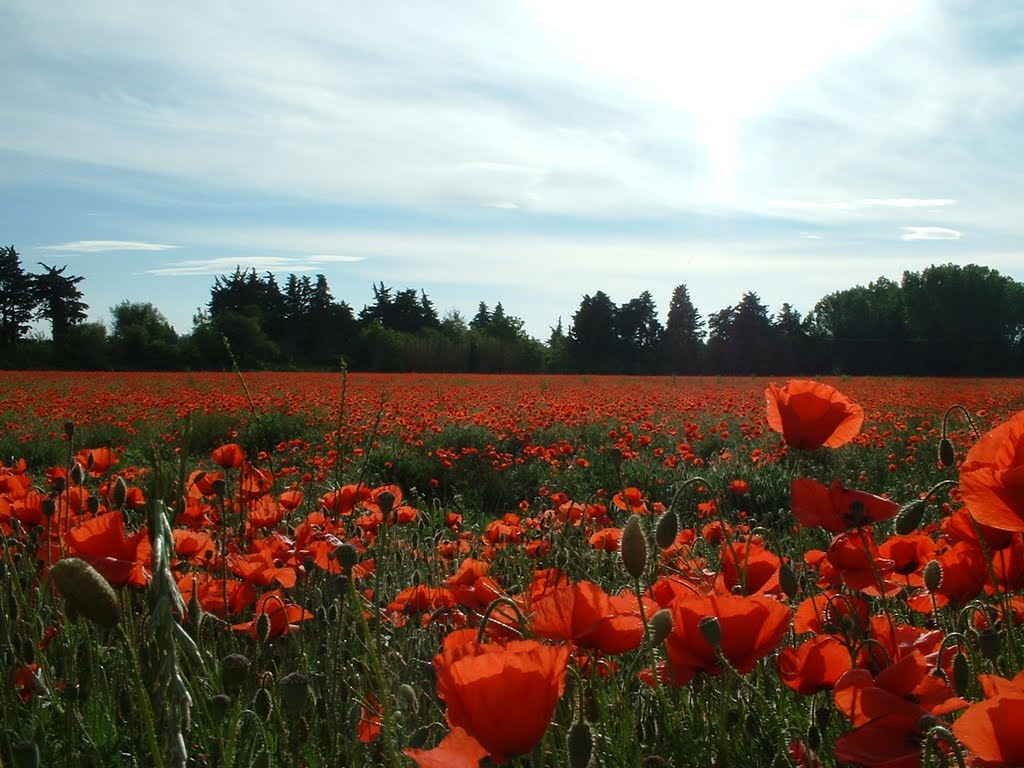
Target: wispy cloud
point(228, 264)
point(930, 233)
point(103, 246)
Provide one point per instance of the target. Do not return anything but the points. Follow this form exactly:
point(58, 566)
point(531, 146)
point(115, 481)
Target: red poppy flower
point(631, 499)
point(284, 616)
point(229, 456)
point(815, 665)
point(477, 682)
point(96, 460)
point(992, 476)
point(216, 595)
point(837, 508)
point(751, 628)
point(810, 415)
point(101, 542)
point(584, 614)
point(607, 540)
point(991, 730)
point(457, 750)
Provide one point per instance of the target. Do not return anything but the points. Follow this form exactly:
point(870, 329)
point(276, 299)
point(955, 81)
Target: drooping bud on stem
point(933, 575)
point(711, 630)
point(86, 592)
point(580, 744)
point(666, 530)
point(661, 626)
point(634, 548)
point(294, 693)
point(910, 516)
point(788, 581)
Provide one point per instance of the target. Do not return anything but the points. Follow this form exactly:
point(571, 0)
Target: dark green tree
point(640, 333)
point(17, 299)
point(58, 300)
point(141, 338)
point(683, 340)
point(594, 336)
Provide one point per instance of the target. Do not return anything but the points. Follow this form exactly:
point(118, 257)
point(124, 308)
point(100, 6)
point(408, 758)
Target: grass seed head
point(86, 592)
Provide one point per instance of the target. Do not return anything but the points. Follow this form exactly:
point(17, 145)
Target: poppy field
point(293, 569)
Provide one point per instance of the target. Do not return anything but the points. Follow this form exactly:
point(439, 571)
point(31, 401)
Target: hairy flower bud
point(294, 694)
point(580, 744)
point(234, 669)
point(989, 643)
point(933, 575)
point(947, 456)
point(86, 592)
point(711, 630)
point(788, 581)
point(661, 626)
point(634, 548)
point(666, 530)
point(961, 674)
point(910, 516)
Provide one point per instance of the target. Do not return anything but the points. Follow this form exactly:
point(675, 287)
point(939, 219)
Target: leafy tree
point(482, 319)
point(58, 300)
point(683, 340)
point(17, 299)
point(742, 340)
point(141, 338)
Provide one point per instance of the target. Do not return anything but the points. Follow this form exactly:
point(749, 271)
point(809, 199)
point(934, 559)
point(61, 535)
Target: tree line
point(946, 320)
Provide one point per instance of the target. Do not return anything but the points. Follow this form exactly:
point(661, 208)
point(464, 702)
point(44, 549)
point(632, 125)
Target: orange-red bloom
point(837, 508)
point(992, 477)
point(503, 695)
point(810, 415)
point(991, 729)
point(751, 628)
point(229, 456)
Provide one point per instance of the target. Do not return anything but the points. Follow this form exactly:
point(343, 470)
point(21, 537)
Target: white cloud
point(103, 246)
point(909, 202)
point(228, 264)
point(930, 233)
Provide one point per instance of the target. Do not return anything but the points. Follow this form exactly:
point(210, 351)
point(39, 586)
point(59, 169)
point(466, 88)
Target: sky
point(525, 152)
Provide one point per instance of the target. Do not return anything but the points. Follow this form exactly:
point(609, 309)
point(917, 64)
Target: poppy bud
point(294, 693)
point(813, 737)
point(263, 627)
point(666, 530)
point(93, 505)
point(262, 759)
point(119, 494)
point(933, 575)
point(25, 754)
point(661, 626)
point(910, 516)
point(633, 548)
point(234, 669)
point(263, 704)
point(218, 487)
point(947, 456)
point(195, 611)
point(961, 674)
point(581, 745)
point(86, 592)
point(788, 581)
point(77, 474)
point(711, 630)
point(408, 695)
point(989, 643)
point(69, 429)
point(219, 706)
point(48, 506)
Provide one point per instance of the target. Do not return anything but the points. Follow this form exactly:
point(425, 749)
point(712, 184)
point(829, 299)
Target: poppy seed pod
point(633, 548)
point(933, 575)
point(234, 669)
point(947, 456)
point(666, 530)
point(347, 556)
point(580, 744)
point(386, 502)
point(219, 706)
point(86, 592)
point(661, 626)
point(910, 516)
point(294, 693)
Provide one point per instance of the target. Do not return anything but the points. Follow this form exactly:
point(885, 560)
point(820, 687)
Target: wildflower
point(477, 681)
point(989, 729)
point(837, 508)
point(228, 456)
point(810, 415)
point(992, 476)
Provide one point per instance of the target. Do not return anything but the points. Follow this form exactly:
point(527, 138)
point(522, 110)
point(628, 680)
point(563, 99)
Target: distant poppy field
point(293, 569)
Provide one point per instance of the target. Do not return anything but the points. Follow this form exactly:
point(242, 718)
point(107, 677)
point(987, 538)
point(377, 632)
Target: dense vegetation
point(945, 320)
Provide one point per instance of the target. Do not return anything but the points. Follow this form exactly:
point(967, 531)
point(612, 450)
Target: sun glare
point(718, 63)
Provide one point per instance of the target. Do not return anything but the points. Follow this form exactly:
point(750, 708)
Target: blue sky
point(525, 152)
